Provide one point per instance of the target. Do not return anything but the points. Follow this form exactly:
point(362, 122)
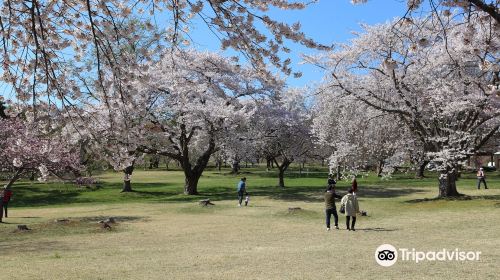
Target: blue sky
point(327, 21)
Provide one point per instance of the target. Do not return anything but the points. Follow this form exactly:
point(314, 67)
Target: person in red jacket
point(5, 197)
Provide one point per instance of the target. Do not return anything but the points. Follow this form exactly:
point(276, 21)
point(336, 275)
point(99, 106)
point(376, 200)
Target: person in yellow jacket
point(351, 206)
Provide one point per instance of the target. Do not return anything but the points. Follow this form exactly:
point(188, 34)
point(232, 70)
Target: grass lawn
point(163, 234)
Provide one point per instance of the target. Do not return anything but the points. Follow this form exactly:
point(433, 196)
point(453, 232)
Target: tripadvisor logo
point(387, 255)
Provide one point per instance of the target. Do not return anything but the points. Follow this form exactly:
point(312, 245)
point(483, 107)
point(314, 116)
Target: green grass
point(163, 234)
point(167, 186)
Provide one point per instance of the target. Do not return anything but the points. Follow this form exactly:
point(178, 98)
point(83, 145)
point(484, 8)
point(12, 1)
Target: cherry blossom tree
point(113, 116)
point(115, 124)
point(43, 43)
point(27, 147)
point(359, 135)
point(282, 129)
point(440, 78)
point(490, 7)
point(239, 145)
point(204, 100)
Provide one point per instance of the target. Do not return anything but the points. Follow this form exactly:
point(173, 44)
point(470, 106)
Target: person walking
point(351, 206)
point(242, 190)
point(5, 196)
point(330, 208)
point(481, 178)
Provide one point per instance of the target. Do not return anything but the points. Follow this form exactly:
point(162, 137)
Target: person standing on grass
point(351, 206)
point(242, 190)
point(5, 196)
point(481, 178)
point(330, 208)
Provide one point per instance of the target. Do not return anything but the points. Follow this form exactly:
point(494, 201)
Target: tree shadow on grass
point(26, 194)
point(486, 197)
point(296, 193)
point(213, 196)
point(387, 192)
point(146, 194)
point(459, 198)
point(292, 175)
point(42, 198)
point(34, 195)
point(304, 194)
point(288, 194)
point(315, 194)
point(377, 229)
point(307, 194)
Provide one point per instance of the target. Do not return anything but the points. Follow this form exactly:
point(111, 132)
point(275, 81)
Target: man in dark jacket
point(330, 208)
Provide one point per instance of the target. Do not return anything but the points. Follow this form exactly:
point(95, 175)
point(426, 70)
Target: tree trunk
point(127, 185)
point(338, 175)
point(154, 162)
point(219, 165)
point(281, 174)
point(447, 184)
point(235, 167)
point(192, 174)
point(380, 167)
point(421, 169)
point(191, 183)
point(14, 178)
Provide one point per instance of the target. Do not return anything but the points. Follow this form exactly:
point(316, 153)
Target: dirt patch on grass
point(118, 219)
point(297, 212)
point(60, 227)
